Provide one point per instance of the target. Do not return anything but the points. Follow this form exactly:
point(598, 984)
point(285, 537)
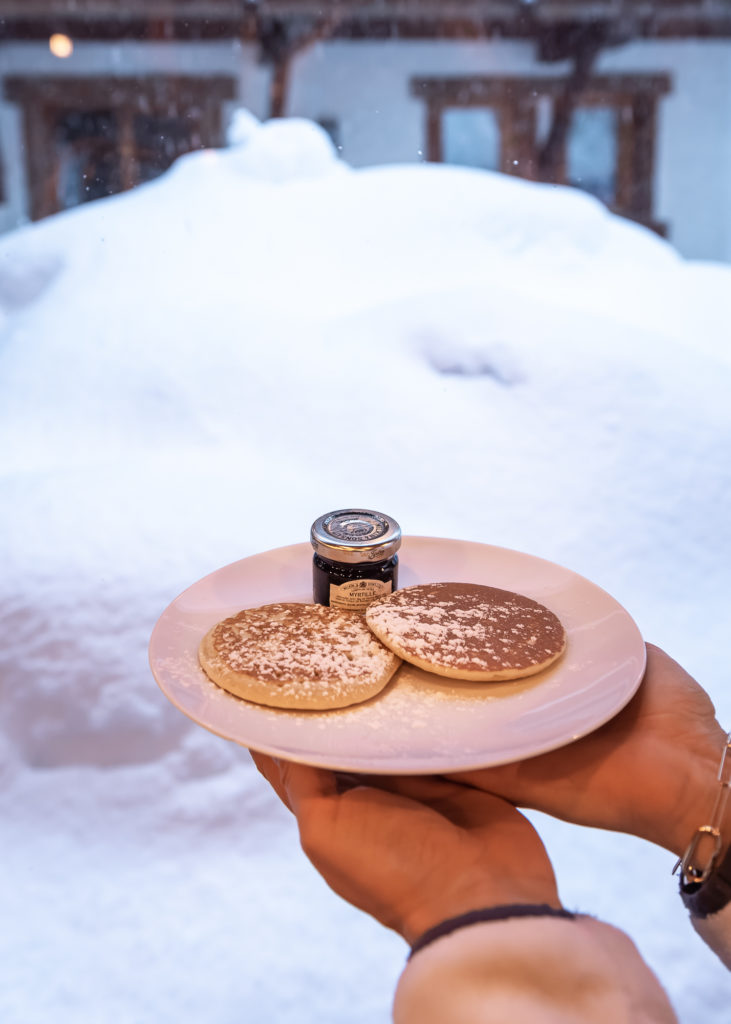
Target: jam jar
point(355, 558)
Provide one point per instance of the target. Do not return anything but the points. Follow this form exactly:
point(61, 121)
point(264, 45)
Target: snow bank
point(281, 150)
point(193, 372)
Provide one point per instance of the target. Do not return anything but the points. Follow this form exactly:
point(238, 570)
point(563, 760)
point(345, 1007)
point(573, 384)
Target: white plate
point(421, 723)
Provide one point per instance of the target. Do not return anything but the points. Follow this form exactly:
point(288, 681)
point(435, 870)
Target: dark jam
point(326, 574)
point(355, 560)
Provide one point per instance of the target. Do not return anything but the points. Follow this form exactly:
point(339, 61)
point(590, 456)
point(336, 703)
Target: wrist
point(453, 904)
point(481, 915)
point(701, 791)
point(704, 899)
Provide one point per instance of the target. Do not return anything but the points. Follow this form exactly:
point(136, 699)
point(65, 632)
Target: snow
point(195, 371)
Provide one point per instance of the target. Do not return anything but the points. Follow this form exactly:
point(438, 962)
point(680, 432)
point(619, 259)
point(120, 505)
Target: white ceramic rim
point(421, 723)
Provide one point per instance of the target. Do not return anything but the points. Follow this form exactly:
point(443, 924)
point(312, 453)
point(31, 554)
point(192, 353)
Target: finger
point(502, 780)
point(304, 784)
point(349, 780)
point(293, 783)
point(476, 810)
point(423, 788)
point(270, 768)
point(465, 806)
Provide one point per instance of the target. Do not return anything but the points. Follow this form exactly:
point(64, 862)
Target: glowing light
point(60, 45)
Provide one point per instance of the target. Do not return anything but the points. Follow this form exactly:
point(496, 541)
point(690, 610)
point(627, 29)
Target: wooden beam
point(482, 90)
point(361, 19)
point(71, 91)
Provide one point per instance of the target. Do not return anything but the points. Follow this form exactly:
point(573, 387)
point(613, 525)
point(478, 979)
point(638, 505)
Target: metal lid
point(355, 535)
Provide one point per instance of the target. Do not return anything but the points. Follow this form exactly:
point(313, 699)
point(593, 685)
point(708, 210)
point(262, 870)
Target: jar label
point(356, 595)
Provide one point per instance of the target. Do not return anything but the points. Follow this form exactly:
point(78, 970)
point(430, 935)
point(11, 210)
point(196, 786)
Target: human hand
point(650, 771)
point(416, 856)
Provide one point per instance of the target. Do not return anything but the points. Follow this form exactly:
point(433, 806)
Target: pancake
point(467, 631)
point(297, 656)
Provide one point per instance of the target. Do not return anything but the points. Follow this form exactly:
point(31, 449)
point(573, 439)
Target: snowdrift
point(193, 372)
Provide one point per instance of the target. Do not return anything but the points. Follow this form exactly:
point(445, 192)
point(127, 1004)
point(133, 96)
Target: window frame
point(42, 99)
point(515, 100)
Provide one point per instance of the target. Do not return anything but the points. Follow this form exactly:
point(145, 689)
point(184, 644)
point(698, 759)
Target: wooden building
point(628, 99)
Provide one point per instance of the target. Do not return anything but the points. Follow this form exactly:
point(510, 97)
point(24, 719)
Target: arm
point(532, 971)
point(422, 858)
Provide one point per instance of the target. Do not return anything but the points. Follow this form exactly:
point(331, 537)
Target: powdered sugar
point(463, 626)
point(300, 648)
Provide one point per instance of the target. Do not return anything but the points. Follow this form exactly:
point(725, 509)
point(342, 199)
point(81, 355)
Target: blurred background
point(627, 99)
point(464, 262)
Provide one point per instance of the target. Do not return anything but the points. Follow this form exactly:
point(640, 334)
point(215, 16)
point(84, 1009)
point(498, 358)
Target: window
point(92, 137)
point(87, 149)
point(472, 137)
point(591, 151)
point(502, 124)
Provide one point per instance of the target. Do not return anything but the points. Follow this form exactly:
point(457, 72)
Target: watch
point(705, 898)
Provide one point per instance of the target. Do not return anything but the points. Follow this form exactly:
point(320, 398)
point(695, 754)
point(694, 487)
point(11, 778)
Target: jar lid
point(355, 535)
